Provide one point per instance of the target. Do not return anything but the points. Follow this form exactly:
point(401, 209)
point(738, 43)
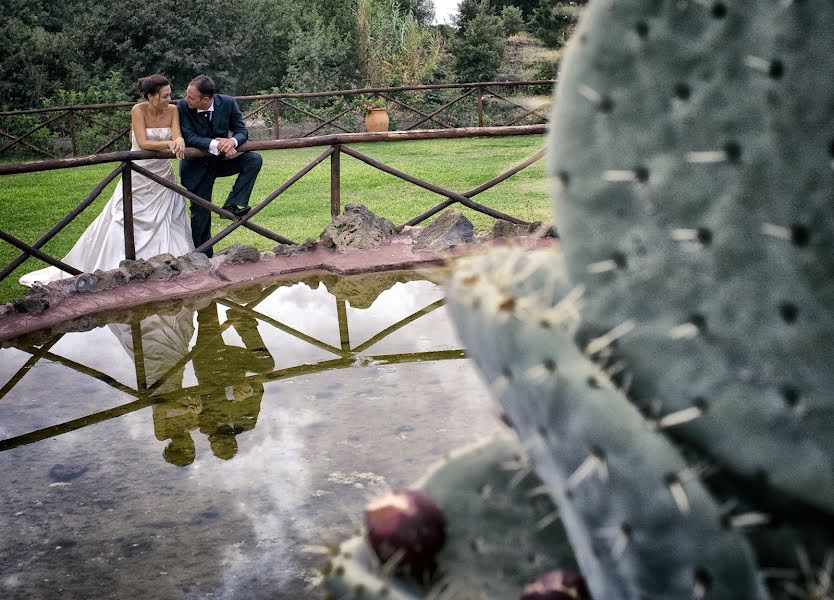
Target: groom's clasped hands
point(226, 146)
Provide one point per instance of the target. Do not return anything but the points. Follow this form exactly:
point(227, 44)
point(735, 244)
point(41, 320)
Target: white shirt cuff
point(213, 148)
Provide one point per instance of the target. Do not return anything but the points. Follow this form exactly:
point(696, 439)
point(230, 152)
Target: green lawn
point(31, 204)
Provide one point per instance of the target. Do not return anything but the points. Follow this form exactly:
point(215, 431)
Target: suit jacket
point(227, 119)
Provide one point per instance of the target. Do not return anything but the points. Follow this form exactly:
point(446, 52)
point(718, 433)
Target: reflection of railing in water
point(149, 394)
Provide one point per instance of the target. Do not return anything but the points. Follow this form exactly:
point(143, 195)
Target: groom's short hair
point(204, 85)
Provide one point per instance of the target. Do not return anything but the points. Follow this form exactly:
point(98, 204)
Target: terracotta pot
point(376, 120)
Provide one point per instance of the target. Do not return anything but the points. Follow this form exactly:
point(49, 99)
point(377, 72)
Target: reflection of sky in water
point(324, 442)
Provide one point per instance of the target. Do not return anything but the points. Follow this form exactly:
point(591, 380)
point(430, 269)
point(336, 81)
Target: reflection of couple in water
point(224, 403)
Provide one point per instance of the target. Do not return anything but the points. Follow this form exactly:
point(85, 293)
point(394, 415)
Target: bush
point(553, 25)
point(467, 11)
point(477, 52)
point(317, 57)
point(513, 20)
point(545, 69)
point(89, 136)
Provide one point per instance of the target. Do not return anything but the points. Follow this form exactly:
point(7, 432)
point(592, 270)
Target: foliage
point(545, 69)
point(421, 10)
point(513, 20)
point(553, 23)
point(193, 38)
point(43, 138)
point(269, 27)
point(478, 50)
point(393, 49)
point(419, 58)
point(38, 56)
point(92, 135)
point(110, 89)
point(374, 104)
point(87, 130)
point(59, 51)
point(468, 10)
point(247, 46)
point(317, 57)
point(527, 6)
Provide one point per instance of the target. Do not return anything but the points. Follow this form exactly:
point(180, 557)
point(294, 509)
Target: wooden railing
point(283, 116)
point(337, 145)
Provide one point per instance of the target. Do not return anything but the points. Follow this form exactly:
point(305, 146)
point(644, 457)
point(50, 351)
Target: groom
point(213, 123)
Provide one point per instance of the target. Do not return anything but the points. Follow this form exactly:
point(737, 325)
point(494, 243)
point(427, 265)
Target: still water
point(211, 448)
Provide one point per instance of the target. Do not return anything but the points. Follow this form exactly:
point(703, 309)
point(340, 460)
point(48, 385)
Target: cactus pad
point(502, 532)
point(692, 147)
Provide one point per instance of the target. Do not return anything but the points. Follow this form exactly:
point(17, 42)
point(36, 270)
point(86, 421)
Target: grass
point(30, 204)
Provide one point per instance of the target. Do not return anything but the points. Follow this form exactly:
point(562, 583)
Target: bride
point(160, 223)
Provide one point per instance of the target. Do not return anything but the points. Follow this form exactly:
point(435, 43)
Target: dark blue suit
point(198, 174)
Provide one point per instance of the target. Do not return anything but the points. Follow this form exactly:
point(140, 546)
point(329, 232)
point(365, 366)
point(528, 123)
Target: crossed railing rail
point(148, 393)
point(494, 106)
point(336, 146)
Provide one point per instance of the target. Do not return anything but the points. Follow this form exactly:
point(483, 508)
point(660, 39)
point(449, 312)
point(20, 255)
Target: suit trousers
point(198, 176)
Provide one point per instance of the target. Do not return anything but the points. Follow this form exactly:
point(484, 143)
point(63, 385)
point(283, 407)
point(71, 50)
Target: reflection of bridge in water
point(226, 399)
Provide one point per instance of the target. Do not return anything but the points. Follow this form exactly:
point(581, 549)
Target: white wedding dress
point(160, 223)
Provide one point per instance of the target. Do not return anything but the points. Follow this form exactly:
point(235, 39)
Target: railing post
point(335, 182)
point(72, 133)
point(276, 121)
point(480, 106)
point(127, 205)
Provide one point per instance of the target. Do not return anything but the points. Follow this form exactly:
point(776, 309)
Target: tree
point(39, 58)
point(178, 39)
point(527, 6)
point(421, 10)
point(246, 46)
point(513, 20)
point(269, 26)
point(468, 10)
point(478, 50)
point(317, 57)
point(553, 23)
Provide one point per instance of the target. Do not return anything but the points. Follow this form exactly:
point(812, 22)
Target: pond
point(213, 448)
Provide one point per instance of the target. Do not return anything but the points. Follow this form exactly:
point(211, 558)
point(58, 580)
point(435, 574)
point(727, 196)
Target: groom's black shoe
point(238, 211)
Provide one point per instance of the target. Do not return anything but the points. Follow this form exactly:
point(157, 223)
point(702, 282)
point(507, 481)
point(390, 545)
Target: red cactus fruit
point(406, 529)
point(557, 585)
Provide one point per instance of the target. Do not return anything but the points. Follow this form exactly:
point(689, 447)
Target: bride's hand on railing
point(177, 147)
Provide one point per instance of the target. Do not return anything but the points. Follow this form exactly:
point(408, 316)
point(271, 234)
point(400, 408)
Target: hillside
point(526, 59)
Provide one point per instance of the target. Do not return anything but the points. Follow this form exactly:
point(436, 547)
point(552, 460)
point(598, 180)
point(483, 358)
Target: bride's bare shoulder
point(139, 107)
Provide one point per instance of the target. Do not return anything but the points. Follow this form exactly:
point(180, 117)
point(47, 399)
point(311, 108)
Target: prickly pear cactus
point(640, 521)
point(503, 531)
point(694, 199)
point(692, 147)
point(673, 389)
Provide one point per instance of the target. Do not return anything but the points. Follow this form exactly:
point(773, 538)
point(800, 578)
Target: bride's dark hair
point(150, 85)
